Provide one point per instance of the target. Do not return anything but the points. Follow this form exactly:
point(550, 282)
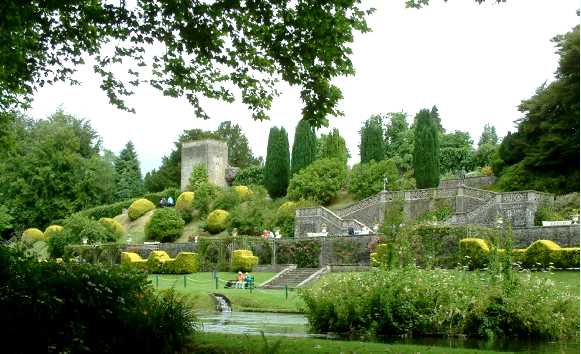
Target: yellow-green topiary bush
point(243, 192)
point(474, 252)
point(133, 260)
point(538, 254)
point(243, 260)
point(185, 201)
point(159, 262)
point(32, 235)
point(52, 230)
point(567, 257)
point(218, 221)
point(139, 207)
point(113, 225)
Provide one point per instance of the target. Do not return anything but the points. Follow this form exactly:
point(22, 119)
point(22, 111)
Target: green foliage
point(5, 218)
point(218, 221)
point(128, 182)
point(319, 182)
point(305, 254)
point(395, 134)
point(547, 212)
point(277, 165)
point(155, 198)
point(107, 253)
point(485, 155)
point(32, 235)
point(544, 152)
point(77, 306)
point(239, 152)
point(442, 209)
point(113, 226)
point(227, 199)
point(399, 302)
point(332, 146)
point(304, 147)
point(199, 175)
point(53, 170)
point(185, 205)
point(139, 207)
point(474, 252)
point(285, 216)
point(165, 225)
point(371, 147)
point(252, 175)
point(456, 152)
point(107, 210)
point(367, 179)
point(383, 256)
point(393, 219)
point(426, 151)
point(488, 136)
point(205, 195)
point(243, 260)
point(76, 229)
point(253, 216)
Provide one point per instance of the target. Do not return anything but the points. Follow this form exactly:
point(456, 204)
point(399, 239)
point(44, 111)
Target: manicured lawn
point(200, 285)
point(238, 343)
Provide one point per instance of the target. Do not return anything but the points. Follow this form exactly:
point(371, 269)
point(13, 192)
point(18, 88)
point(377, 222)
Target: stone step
point(292, 278)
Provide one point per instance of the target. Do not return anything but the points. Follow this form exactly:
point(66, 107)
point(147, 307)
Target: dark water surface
point(296, 325)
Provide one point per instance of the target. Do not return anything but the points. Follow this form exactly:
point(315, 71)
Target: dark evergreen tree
point(371, 147)
point(332, 146)
point(426, 151)
point(277, 165)
point(436, 118)
point(128, 182)
point(304, 146)
point(488, 136)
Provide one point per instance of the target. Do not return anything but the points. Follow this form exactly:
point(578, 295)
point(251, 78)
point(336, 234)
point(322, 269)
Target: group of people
point(244, 280)
point(267, 234)
point(166, 202)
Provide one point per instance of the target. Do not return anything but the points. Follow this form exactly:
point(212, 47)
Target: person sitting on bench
point(240, 282)
point(248, 281)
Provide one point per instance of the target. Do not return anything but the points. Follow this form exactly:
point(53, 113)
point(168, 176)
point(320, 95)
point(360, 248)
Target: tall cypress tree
point(304, 146)
point(277, 165)
point(426, 151)
point(128, 182)
point(332, 146)
point(371, 147)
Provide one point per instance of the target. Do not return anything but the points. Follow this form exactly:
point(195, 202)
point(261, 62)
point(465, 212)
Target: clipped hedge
point(113, 226)
point(243, 260)
point(32, 235)
point(185, 202)
point(159, 262)
point(139, 207)
point(165, 225)
point(52, 230)
point(474, 252)
point(106, 211)
point(218, 221)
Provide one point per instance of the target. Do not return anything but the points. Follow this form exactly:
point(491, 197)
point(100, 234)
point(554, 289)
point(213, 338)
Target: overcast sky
point(475, 62)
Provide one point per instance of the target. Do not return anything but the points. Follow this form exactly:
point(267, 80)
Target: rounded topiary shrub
point(165, 225)
point(113, 225)
point(32, 235)
point(243, 192)
point(139, 207)
point(53, 230)
point(217, 221)
point(185, 205)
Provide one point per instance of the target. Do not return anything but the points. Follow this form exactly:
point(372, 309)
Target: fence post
point(185, 281)
point(273, 260)
point(157, 281)
point(216, 279)
point(286, 291)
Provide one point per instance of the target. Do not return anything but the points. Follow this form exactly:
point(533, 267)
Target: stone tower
point(211, 153)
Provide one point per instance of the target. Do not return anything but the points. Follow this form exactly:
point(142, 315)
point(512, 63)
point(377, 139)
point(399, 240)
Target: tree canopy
point(128, 182)
point(371, 147)
point(183, 48)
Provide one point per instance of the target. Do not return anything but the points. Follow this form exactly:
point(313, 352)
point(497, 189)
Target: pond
point(296, 325)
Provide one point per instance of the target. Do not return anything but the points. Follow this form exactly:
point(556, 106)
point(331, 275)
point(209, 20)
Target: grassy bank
point(198, 286)
point(238, 343)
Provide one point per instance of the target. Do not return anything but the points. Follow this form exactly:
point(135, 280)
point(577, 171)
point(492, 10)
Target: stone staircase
point(291, 278)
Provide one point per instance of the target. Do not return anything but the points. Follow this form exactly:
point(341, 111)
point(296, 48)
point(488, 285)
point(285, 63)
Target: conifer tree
point(128, 182)
point(426, 151)
point(371, 147)
point(277, 165)
point(304, 146)
point(333, 146)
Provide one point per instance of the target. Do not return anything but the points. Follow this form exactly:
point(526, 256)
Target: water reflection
point(296, 325)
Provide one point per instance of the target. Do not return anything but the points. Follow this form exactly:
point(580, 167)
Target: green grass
point(565, 279)
point(239, 343)
point(200, 285)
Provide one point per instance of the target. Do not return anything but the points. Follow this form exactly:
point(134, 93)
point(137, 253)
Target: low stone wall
point(474, 182)
point(565, 236)
point(349, 268)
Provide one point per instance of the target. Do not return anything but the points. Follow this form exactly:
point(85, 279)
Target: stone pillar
point(460, 200)
point(211, 153)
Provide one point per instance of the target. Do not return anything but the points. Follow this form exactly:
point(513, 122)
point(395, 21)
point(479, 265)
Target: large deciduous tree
point(544, 152)
point(185, 48)
point(456, 152)
point(277, 164)
point(53, 170)
point(371, 147)
point(426, 151)
point(304, 146)
point(128, 182)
